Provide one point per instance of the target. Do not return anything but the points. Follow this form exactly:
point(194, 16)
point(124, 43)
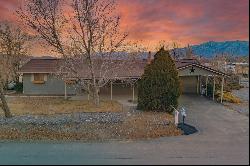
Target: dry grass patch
point(50, 106)
point(229, 97)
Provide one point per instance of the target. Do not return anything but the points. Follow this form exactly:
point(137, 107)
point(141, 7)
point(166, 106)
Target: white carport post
point(213, 87)
point(198, 84)
point(111, 90)
point(222, 84)
point(65, 90)
point(206, 84)
point(133, 89)
point(88, 90)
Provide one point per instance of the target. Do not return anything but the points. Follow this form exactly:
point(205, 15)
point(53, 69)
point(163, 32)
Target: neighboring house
point(39, 77)
point(241, 68)
point(238, 68)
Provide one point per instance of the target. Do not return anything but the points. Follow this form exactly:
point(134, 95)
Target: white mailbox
point(183, 112)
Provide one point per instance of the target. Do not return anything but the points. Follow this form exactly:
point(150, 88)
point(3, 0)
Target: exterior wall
point(53, 86)
point(189, 80)
point(241, 69)
point(197, 71)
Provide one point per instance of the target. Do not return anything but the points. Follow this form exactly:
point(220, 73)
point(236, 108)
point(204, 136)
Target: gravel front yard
point(88, 126)
point(62, 119)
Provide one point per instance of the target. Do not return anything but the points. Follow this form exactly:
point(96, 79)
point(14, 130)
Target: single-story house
point(39, 78)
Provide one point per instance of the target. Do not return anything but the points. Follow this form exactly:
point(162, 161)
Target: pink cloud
point(184, 21)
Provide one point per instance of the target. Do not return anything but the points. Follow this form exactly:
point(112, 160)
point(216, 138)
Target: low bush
point(18, 87)
point(228, 97)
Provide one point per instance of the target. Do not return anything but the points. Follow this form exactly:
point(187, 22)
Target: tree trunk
point(96, 96)
point(5, 106)
point(95, 90)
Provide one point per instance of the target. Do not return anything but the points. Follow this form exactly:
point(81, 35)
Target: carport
point(191, 75)
point(190, 71)
point(117, 89)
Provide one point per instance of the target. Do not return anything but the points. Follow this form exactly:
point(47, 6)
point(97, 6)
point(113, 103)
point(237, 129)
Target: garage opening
point(189, 84)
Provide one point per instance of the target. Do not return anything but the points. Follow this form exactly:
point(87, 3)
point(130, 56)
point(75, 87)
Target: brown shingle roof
point(127, 69)
point(38, 65)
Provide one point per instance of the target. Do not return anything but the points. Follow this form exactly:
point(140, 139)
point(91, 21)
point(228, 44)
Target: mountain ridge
point(212, 48)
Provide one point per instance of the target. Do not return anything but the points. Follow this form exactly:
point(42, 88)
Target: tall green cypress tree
point(159, 87)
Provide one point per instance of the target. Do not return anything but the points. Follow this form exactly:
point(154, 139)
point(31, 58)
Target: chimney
point(150, 58)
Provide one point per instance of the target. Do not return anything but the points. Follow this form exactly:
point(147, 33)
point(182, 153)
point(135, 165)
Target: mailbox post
point(176, 117)
point(183, 113)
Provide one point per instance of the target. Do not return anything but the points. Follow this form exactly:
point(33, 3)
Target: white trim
point(203, 67)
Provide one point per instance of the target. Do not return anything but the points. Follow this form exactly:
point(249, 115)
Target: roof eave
point(204, 67)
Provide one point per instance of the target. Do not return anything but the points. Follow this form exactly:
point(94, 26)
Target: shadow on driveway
point(187, 129)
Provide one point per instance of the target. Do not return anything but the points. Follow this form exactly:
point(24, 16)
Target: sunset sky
point(182, 21)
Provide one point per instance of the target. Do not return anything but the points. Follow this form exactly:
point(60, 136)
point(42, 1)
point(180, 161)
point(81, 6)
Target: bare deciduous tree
point(13, 44)
point(86, 33)
point(12, 48)
point(175, 51)
point(6, 71)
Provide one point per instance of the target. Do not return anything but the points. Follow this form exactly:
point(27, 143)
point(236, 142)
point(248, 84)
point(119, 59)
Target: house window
point(38, 79)
point(70, 81)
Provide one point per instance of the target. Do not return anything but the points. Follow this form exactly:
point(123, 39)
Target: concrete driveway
point(223, 138)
